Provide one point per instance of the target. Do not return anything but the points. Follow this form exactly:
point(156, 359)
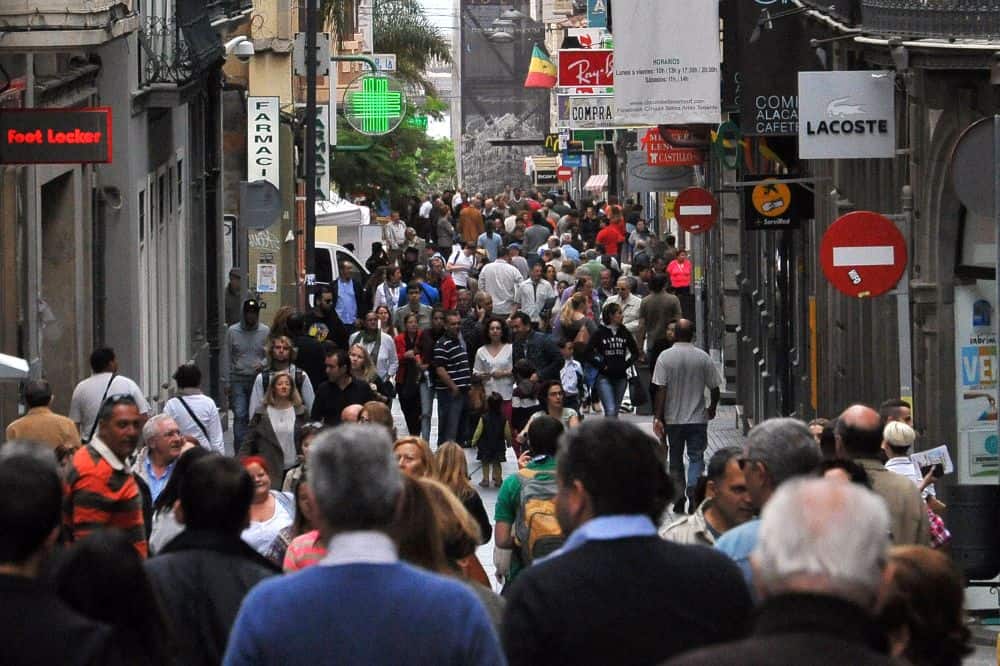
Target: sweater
point(612, 347)
point(362, 614)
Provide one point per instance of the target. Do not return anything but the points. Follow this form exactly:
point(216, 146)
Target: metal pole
point(310, 141)
point(33, 241)
point(903, 308)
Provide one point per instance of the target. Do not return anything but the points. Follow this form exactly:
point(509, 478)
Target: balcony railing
point(945, 19)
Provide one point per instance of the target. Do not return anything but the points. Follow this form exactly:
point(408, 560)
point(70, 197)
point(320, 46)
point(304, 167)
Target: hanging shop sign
point(641, 177)
point(667, 71)
point(597, 13)
point(55, 136)
point(586, 71)
point(546, 177)
point(588, 111)
point(262, 139)
point(589, 38)
point(661, 153)
point(774, 204)
point(846, 115)
point(762, 65)
point(863, 254)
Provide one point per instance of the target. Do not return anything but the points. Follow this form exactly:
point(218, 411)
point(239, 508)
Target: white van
point(329, 257)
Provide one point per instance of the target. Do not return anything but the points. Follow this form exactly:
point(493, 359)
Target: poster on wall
point(667, 71)
point(267, 278)
point(976, 383)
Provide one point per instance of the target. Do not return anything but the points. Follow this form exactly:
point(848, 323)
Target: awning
point(341, 213)
point(12, 368)
point(598, 182)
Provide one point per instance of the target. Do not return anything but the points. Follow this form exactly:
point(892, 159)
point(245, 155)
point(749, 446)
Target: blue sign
point(597, 13)
point(575, 161)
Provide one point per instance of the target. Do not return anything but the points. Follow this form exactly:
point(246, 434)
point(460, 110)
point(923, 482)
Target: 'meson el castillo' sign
point(55, 136)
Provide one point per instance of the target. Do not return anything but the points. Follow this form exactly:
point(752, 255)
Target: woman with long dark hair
point(410, 373)
point(612, 349)
point(165, 525)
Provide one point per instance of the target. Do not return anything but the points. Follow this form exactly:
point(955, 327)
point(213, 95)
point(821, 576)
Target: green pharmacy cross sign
point(375, 107)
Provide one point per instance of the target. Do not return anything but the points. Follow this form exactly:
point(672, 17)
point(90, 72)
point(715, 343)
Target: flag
point(541, 73)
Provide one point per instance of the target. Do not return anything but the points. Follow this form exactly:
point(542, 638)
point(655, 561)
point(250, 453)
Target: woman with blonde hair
point(363, 368)
point(453, 471)
point(415, 457)
point(374, 411)
point(271, 434)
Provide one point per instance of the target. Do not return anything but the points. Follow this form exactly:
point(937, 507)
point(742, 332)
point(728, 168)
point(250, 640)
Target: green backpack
point(536, 530)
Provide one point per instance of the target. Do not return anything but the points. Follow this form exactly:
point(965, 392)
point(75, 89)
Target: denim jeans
point(611, 392)
point(450, 409)
point(427, 410)
point(241, 389)
point(695, 437)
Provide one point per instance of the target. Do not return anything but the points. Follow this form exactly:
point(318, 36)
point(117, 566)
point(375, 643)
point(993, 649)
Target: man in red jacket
point(612, 236)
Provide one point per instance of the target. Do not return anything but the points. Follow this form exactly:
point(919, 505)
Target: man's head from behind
point(609, 467)
point(30, 504)
point(822, 536)
point(896, 410)
point(37, 393)
point(215, 494)
point(354, 478)
point(859, 432)
point(777, 450)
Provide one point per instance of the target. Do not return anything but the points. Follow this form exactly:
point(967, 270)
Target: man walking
point(339, 390)
point(776, 450)
point(533, 294)
point(726, 504)
point(500, 279)
point(348, 297)
point(360, 605)
point(630, 304)
point(162, 442)
point(859, 437)
point(323, 323)
point(656, 312)
point(680, 376)
point(243, 356)
point(41, 424)
point(453, 378)
point(89, 395)
point(539, 349)
point(280, 355)
point(819, 594)
point(394, 235)
point(615, 586)
point(101, 490)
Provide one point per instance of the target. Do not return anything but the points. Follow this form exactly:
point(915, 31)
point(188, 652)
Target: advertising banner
point(597, 13)
point(976, 383)
point(661, 153)
point(586, 70)
point(845, 115)
point(775, 205)
point(667, 70)
point(55, 136)
point(262, 139)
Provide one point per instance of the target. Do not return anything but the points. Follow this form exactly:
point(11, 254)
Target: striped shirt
point(304, 551)
point(450, 354)
point(103, 493)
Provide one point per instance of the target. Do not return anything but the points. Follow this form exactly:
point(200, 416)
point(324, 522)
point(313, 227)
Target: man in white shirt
point(89, 394)
point(281, 355)
point(394, 235)
point(425, 209)
point(460, 263)
point(629, 303)
point(500, 280)
point(533, 293)
point(195, 413)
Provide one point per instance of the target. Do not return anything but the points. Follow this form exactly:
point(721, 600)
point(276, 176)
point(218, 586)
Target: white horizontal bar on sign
point(694, 210)
point(872, 255)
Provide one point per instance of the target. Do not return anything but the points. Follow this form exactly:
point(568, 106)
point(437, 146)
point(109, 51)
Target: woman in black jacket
point(612, 349)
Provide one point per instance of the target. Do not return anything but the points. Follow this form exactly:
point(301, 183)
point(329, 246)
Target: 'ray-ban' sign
point(55, 136)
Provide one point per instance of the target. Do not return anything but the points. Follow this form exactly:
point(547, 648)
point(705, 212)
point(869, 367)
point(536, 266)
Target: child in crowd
point(492, 437)
point(571, 377)
point(524, 402)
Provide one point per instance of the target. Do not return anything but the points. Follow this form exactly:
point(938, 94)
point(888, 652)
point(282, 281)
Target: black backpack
point(300, 379)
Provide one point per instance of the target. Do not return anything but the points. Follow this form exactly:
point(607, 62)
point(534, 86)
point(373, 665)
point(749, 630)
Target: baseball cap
point(252, 304)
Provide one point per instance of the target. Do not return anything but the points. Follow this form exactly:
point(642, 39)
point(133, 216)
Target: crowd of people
point(326, 534)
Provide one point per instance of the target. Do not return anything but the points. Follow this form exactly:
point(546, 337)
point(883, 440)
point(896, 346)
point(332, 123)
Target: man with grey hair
point(360, 605)
point(776, 450)
point(818, 569)
point(162, 441)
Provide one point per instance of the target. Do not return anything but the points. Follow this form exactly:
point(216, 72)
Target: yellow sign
point(668, 207)
point(771, 198)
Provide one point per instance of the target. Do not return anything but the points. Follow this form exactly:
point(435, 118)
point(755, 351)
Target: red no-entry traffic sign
point(695, 210)
point(863, 254)
point(564, 173)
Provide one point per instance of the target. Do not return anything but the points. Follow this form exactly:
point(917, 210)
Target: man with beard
point(323, 323)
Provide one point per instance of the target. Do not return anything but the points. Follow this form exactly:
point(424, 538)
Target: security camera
point(244, 51)
point(241, 47)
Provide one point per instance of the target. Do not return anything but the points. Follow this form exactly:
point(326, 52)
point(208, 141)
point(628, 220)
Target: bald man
point(351, 413)
point(859, 437)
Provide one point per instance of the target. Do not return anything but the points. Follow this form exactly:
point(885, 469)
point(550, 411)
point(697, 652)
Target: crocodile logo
point(839, 108)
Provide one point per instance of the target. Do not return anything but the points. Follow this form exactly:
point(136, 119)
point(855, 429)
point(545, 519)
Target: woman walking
point(495, 363)
point(613, 349)
point(410, 373)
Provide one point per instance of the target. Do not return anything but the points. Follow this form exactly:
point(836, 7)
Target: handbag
point(636, 389)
